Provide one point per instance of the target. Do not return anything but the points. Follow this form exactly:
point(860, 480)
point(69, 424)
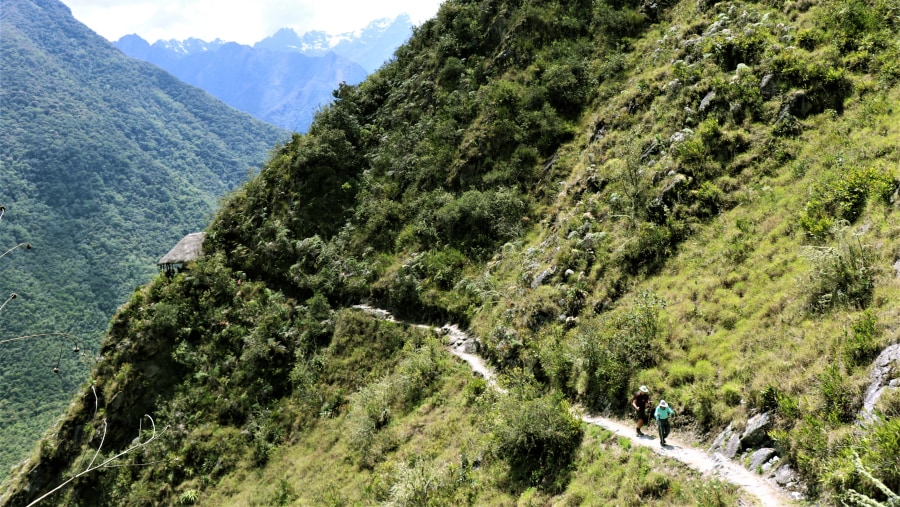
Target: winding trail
point(716, 465)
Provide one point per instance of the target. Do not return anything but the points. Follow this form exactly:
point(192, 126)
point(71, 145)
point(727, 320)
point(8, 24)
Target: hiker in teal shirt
point(662, 414)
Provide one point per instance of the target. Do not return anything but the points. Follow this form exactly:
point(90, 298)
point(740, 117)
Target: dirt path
point(716, 465)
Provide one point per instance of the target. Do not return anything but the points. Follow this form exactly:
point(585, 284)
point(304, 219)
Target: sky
point(242, 21)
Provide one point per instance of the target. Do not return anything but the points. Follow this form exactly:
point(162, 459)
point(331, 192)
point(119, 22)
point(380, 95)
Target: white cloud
point(238, 20)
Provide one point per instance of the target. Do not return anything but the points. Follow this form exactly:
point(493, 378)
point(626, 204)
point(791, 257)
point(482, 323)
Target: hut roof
point(188, 249)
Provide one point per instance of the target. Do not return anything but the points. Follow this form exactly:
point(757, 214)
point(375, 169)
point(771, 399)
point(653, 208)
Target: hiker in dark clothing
point(662, 414)
point(639, 402)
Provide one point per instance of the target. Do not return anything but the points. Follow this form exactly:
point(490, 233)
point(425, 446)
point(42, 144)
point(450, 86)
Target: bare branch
point(27, 246)
point(105, 464)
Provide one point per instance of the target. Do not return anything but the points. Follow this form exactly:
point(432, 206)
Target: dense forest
point(105, 163)
point(700, 197)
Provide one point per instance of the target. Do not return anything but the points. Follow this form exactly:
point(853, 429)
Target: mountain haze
point(105, 163)
point(370, 47)
point(283, 79)
point(698, 197)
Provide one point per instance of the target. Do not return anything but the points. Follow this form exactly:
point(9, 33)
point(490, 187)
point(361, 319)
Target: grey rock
point(707, 101)
point(673, 86)
point(756, 432)
point(538, 280)
point(760, 457)
point(768, 86)
point(785, 475)
point(718, 444)
point(681, 136)
point(733, 446)
point(769, 465)
point(880, 378)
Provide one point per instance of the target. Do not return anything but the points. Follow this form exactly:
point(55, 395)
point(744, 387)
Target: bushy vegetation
point(537, 434)
point(694, 197)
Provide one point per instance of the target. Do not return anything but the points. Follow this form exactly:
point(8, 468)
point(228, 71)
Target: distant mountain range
point(283, 79)
point(105, 163)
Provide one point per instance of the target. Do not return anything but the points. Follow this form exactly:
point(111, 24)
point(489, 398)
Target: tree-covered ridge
point(698, 197)
point(105, 163)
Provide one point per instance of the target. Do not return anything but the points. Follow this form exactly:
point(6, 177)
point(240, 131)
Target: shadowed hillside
point(105, 163)
point(699, 197)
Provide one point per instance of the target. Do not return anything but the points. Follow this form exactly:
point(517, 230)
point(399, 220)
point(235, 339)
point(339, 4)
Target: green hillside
point(695, 196)
point(105, 163)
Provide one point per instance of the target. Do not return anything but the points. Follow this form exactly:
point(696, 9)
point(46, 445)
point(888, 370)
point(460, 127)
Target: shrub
point(729, 50)
point(605, 352)
point(809, 445)
point(883, 490)
point(880, 449)
point(680, 374)
point(840, 397)
point(709, 200)
point(842, 276)
point(567, 85)
point(861, 344)
point(416, 374)
point(650, 246)
point(537, 434)
point(654, 485)
point(443, 268)
point(701, 400)
point(475, 222)
point(849, 20)
point(739, 246)
point(416, 483)
point(889, 404)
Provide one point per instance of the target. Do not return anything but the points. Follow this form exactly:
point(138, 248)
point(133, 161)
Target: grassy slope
point(722, 295)
point(439, 450)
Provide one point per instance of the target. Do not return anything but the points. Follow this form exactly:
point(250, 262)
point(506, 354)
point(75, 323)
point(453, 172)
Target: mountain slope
point(370, 47)
point(696, 197)
point(282, 88)
point(283, 79)
point(105, 162)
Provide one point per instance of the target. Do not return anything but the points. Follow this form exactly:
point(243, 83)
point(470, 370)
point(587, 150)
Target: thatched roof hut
point(190, 248)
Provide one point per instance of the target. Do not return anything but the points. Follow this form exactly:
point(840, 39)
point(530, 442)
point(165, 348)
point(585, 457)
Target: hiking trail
point(716, 465)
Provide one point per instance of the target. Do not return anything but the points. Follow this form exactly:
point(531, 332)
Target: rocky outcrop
point(885, 375)
point(757, 431)
point(729, 442)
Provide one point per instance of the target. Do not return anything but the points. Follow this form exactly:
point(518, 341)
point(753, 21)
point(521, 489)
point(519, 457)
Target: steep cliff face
point(694, 197)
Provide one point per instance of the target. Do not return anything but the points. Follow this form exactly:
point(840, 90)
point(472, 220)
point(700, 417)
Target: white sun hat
point(663, 404)
point(644, 389)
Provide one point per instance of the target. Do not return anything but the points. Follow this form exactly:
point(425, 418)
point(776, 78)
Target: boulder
point(760, 457)
point(785, 475)
point(721, 439)
point(538, 280)
point(733, 446)
point(769, 465)
point(757, 431)
point(707, 101)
